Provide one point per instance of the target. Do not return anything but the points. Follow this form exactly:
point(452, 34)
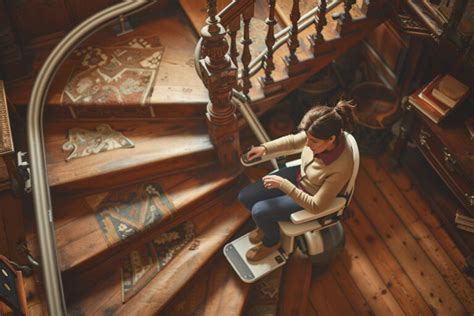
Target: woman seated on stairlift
point(326, 166)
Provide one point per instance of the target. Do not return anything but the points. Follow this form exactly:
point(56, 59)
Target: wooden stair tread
point(157, 143)
point(220, 222)
point(215, 290)
point(178, 40)
point(84, 229)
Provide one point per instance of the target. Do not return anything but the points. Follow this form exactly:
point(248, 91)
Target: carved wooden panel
point(34, 19)
point(389, 45)
point(6, 141)
point(80, 9)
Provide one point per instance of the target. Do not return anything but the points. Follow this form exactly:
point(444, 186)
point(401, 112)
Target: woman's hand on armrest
point(255, 153)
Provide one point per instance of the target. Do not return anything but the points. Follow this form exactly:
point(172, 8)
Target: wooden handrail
point(233, 10)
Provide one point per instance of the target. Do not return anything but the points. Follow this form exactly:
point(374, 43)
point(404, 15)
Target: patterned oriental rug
point(140, 266)
point(263, 298)
point(125, 212)
point(114, 75)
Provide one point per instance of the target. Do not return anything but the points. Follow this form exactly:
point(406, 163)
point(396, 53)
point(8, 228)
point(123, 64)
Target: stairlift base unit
point(250, 272)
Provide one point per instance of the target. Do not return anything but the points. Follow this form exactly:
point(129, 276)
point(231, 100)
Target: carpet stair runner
point(80, 159)
point(222, 220)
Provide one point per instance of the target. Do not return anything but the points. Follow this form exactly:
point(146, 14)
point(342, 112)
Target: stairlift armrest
point(247, 163)
point(304, 216)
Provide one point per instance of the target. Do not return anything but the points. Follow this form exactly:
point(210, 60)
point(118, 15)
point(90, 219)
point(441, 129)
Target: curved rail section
point(39, 176)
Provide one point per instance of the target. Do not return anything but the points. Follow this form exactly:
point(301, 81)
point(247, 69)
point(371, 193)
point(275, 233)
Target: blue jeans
point(269, 206)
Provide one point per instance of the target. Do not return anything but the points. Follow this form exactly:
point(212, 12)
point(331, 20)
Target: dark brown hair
point(323, 121)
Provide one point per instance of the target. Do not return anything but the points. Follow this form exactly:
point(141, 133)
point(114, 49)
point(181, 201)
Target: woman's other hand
point(272, 182)
point(255, 152)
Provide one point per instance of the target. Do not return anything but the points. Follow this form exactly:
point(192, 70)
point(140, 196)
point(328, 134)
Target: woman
point(326, 166)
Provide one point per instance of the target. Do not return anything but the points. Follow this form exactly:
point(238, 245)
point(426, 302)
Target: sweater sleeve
point(331, 187)
point(289, 142)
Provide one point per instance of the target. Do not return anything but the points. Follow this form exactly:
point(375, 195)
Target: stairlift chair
point(319, 236)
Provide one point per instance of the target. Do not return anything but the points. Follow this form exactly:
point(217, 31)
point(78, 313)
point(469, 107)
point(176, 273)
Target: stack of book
point(439, 97)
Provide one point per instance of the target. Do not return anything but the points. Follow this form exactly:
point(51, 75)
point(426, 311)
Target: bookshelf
point(449, 150)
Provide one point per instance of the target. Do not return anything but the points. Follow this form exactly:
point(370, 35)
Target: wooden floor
point(397, 259)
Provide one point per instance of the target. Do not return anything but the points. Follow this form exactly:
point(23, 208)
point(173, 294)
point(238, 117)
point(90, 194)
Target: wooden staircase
point(110, 204)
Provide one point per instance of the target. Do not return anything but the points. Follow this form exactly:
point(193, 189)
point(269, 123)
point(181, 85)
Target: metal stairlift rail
point(39, 176)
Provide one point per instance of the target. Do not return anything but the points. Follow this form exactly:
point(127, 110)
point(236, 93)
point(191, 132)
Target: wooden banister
point(268, 63)
point(320, 22)
point(234, 10)
point(218, 64)
point(246, 56)
point(219, 75)
point(293, 42)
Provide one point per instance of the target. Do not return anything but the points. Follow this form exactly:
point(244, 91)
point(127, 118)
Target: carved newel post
point(219, 75)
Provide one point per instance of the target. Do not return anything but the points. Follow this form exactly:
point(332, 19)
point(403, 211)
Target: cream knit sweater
point(322, 182)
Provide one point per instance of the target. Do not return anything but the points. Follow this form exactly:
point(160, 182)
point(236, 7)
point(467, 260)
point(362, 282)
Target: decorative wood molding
point(6, 139)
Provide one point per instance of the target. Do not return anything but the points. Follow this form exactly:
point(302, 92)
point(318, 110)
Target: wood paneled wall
point(39, 21)
point(11, 226)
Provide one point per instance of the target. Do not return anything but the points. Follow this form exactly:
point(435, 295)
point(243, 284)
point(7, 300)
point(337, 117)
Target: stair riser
point(130, 112)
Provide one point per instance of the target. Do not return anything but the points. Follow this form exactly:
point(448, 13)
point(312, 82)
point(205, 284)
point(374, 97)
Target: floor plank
point(295, 284)
point(327, 298)
point(386, 264)
point(406, 249)
point(419, 203)
point(349, 288)
point(451, 274)
point(369, 282)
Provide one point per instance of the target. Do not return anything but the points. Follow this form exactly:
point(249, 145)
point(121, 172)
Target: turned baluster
point(345, 20)
point(246, 56)
point(320, 22)
point(220, 77)
point(268, 63)
point(293, 42)
point(234, 26)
